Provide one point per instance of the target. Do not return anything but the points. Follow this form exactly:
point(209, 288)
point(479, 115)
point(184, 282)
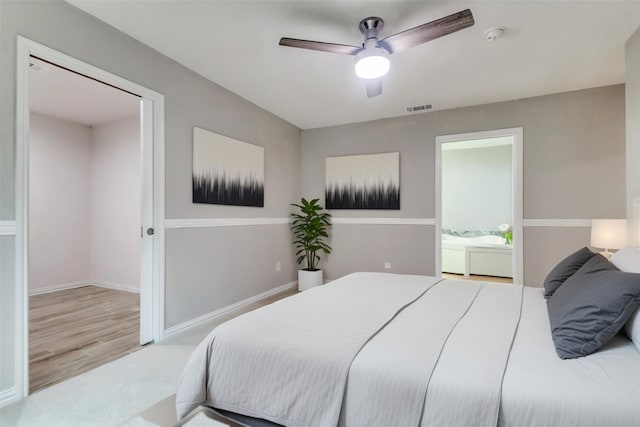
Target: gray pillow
point(565, 269)
point(591, 307)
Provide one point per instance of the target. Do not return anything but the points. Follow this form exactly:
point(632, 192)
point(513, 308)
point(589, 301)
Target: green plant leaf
point(309, 226)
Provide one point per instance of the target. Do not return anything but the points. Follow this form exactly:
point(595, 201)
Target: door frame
point(154, 321)
point(516, 195)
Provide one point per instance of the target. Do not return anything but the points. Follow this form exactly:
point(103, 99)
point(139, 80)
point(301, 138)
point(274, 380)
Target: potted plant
point(309, 226)
point(507, 233)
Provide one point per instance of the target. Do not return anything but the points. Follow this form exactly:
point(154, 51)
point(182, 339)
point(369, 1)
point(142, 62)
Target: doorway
point(84, 223)
point(479, 206)
point(149, 228)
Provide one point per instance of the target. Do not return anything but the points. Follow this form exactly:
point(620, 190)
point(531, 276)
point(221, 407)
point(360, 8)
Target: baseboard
point(116, 286)
point(74, 285)
point(221, 311)
point(8, 396)
point(58, 287)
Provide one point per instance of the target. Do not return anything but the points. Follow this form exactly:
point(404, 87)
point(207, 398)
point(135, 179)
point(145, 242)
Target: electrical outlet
point(278, 266)
point(387, 265)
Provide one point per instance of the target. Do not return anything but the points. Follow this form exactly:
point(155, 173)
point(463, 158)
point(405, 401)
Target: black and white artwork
point(226, 171)
point(369, 181)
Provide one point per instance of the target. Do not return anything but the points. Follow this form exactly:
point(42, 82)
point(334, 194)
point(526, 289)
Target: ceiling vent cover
point(416, 108)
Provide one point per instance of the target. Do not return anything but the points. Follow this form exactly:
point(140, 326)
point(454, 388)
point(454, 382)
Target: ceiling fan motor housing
point(370, 27)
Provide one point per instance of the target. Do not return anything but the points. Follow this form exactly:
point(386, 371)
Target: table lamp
point(608, 234)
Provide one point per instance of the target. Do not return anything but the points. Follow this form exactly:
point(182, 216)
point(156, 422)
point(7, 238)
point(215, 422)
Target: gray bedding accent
point(466, 387)
point(565, 268)
point(388, 379)
point(591, 307)
point(439, 363)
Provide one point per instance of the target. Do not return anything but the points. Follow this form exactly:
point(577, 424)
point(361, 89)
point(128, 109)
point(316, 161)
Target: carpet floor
point(106, 396)
point(136, 390)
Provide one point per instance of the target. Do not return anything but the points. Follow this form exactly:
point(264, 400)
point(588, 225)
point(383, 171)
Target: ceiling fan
point(372, 58)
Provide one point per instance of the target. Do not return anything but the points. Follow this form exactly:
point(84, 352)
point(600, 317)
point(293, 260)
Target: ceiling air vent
point(418, 108)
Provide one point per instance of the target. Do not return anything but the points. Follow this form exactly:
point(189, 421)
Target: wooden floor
point(478, 278)
point(76, 330)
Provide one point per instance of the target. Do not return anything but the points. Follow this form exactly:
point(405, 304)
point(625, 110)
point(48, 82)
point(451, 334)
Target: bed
point(417, 350)
point(486, 255)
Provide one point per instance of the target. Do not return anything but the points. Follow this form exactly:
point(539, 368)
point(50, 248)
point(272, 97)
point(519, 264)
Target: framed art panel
point(369, 181)
point(226, 171)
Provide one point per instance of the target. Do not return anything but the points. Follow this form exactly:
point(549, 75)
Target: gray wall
point(476, 188)
point(366, 247)
point(574, 163)
point(233, 263)
point(633, 126)
point(190, 100)
point(59, 202)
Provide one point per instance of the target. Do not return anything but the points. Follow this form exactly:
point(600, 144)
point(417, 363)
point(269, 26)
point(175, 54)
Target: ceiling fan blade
point(429, 31)
point(373, 86)
point(344, 49)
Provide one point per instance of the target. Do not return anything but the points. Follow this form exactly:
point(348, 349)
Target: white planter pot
point(309, 279)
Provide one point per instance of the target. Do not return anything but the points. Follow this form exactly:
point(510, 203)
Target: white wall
point(84, 197)
point(476, 188)
point(115, 203)
point(632, 99)
point(59, 186)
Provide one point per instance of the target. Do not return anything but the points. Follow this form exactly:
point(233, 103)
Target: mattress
point(491, 363)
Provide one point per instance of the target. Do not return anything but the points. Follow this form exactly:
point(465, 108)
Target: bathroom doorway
point(479, 206)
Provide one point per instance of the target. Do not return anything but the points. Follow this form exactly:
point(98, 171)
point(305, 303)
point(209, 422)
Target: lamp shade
point(609, 233)
point(372, 62)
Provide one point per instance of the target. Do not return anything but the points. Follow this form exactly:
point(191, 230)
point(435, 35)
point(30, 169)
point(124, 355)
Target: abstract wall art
point(369, 181)
point(226, 171)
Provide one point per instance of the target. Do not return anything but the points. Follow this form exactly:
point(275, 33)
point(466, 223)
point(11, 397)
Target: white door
point(147, 232)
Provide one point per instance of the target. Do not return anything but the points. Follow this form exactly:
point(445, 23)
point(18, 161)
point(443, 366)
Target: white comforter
point(376, 349)
point(288, 362)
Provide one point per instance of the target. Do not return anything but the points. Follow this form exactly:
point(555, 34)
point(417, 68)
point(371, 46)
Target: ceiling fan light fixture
point(372, 63)
point(372, 57)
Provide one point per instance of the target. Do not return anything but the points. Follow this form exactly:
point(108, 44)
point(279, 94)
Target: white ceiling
point(548, 47)
point(59, 93)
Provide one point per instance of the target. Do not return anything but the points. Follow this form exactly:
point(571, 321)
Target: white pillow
point(627, 259)
point(632, 328)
